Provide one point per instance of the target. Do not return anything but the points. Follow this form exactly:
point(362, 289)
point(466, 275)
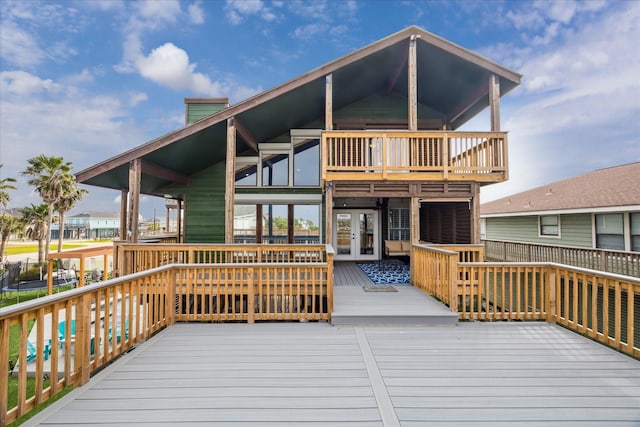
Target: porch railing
point(79, 331)
point(617, 262)
point(602, 306)
point(132, 258)
point(433, 155)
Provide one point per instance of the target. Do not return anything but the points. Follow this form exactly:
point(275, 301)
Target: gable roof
point(451, 81)
point(613, 187)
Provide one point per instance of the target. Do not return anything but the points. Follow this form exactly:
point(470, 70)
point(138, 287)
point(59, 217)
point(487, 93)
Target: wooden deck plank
point(471, 374)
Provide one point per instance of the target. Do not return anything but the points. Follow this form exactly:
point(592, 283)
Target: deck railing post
point(83, 333)
point(453, 282)
point(170, 295)
point(330, 283)
point(251, 303)
point(552, 309)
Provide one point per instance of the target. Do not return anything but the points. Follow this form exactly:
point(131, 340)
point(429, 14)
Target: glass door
point(356, 235)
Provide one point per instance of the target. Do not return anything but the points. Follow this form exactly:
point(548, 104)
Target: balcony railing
point(403, 155)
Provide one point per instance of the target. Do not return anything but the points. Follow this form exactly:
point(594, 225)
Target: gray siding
point(575, 230)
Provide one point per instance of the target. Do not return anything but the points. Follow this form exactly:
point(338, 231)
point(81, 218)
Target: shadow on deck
point(382, 305)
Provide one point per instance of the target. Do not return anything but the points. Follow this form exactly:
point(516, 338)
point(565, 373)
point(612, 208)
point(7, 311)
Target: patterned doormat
point(387, 272)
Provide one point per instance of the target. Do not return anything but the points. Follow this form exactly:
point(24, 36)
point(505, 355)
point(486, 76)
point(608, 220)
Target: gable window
point(549, 225)
point(610, 231)
point(399, 224)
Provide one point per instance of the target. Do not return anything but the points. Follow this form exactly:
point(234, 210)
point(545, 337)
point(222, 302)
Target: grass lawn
point(27, 249)
point(13, 297)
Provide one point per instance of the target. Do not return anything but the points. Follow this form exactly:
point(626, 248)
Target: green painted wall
point(575, 230)
point(205, 213)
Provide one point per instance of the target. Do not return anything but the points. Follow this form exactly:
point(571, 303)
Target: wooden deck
point(405, 306)
point(311, 374)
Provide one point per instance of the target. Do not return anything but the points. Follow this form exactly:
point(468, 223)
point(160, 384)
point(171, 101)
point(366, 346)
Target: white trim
point(607, 209)
point(276, 199)
point(550, 236)
point(274, 146)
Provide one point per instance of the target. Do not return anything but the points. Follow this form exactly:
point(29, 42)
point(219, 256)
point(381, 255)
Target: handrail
point(597, 304)
point(620, 262)
point(108, 318)
point(480, 156)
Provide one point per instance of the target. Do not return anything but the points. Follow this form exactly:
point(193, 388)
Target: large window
point(610, 231)
point(306, 164)
point(634, 218)
point(399, 224)
point(549, 225)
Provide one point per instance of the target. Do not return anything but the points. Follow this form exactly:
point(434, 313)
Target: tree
point(9, 225)
point(36, 219)
point(52, 179)
point(65, 204)
point(5, 184)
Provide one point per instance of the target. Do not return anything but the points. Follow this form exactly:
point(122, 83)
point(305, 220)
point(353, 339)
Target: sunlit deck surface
point(316, 374)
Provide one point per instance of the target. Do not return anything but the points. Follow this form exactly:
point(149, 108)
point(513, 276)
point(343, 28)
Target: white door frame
point(353, 251)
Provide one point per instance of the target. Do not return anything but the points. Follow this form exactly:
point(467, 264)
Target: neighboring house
point(89, 225)
point(600, 209)
point(362, 149)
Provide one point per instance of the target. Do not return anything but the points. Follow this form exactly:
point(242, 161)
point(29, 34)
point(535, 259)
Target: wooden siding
point(205, 212)
point(575, 230)
point(475, 374)
point(196, 112)
point(445, 222)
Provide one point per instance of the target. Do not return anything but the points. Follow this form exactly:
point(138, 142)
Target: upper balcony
point(414, 156)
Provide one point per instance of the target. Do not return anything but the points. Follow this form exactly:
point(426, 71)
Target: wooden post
point(328, 102)
point(494, 102)
point(329, 281)
point(123, 214)
point(552, 303)
point(328, 207)
point(291, 229)
point(229, 192)
point(413, 85)
point(179, 221)
point(475, 214)
point(414, 223)
point(81, 276)
point(49, 276)
point(4, 377)
point(83, 337)
point(170, 308)
point(134, 200)
point(259, 228)
point(251, 315)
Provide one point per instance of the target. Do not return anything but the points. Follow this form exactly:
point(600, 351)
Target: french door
point(355, 235)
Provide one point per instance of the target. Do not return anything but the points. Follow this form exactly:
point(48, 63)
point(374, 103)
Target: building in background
point(89, 225)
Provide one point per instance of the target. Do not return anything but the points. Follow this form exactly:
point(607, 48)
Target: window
point(306, 224)
point(306, 163)
point(610, 231)
point(399, 224)
point(634, 218)
point(549, 225)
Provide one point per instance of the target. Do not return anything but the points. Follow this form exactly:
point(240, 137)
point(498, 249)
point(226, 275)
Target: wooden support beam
point(290, 224)
point(158, 171)
point(246, 135)
point(124, 196)
point(328, 102)
point(475, 215)
point(413, 85)
point(229, 192)
point(259, 223)
point(414, 222)
point(180, 234)
point(135, 170)
point(494, 102)
point(328, 207)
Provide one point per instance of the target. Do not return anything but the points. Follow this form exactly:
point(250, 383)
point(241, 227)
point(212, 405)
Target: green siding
point(205, 211)
point(196, 112)
point(575, 230)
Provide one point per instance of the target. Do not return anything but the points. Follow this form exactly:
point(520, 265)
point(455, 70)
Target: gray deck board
point(315, 374)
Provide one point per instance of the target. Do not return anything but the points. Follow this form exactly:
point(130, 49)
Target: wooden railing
point(105, 320)
point(617, 262)
point(132, 258)
point(602, 306)
point(403, 155)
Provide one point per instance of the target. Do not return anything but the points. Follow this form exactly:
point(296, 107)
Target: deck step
point(407, 306)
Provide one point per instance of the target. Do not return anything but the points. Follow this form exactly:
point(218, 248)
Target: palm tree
point(65, 204)
point(9, 225)
point(37, 220)
point(5, 184)
point(52, 178)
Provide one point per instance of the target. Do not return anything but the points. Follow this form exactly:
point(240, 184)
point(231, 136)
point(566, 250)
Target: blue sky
point(87, 80)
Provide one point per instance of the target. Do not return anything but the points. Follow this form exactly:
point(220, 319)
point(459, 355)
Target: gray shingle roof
point(609, 187)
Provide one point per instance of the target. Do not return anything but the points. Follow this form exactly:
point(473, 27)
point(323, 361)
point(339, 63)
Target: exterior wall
point(575, 230)
point(205, 212)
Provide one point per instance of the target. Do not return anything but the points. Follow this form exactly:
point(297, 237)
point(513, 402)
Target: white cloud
point(238, 10)
point(169, 65)
point(196, 14)
point(137, 97)
point(23, 83)
point(18, 47)
point(153, 11)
